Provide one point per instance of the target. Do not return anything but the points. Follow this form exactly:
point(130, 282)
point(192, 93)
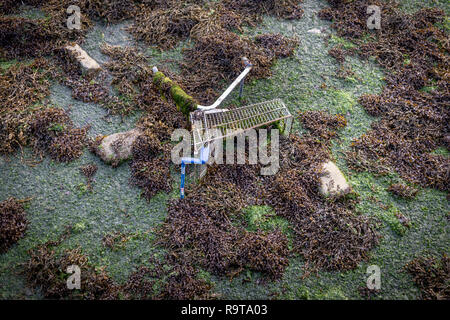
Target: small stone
point(117, 147)
point(86, 62)
point(28, 292)
point(332, 181)
point(315, 31)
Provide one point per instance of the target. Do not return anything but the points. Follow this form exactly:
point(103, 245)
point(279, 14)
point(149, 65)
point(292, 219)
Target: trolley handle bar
point(248, 67)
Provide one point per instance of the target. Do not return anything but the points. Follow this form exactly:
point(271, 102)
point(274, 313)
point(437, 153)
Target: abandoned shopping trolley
point(210, 124)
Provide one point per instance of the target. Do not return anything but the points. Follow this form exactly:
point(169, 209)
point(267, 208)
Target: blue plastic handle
point(204, 157)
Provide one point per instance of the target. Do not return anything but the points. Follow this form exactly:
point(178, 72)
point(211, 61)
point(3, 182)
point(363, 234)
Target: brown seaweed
point(13, 223)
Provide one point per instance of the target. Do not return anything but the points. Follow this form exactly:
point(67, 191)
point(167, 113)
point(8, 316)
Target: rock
point(117, 147)
point(28, 292)
point(86, 62)
point(332, 181)
point(315, 31)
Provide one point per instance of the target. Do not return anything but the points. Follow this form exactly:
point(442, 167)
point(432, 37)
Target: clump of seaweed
point(87, 87)
point(166, 26)
point(403, 190)
point(89, 172)
point(9, 6)
point(218, 57)
point(220, 246)
point(23, 86)
point(115, 240)
point(432, 276)
point(48, 270)
point(367, 293)
point(166, 23)
point(151, 176)
point(322, 124)
point(128, 67)
point(276, 45)
point(177, 279)
point(112, 10)
point(24, 122)
point(148, 124)
point(53, 133)
point(412, 108)
point(44, 270)
point(150, 166)
point(287, 9)
point(326, 232)
point(338, 53)
point(13, 223)
point(394, 142)
point(25, 37)
point(203, 225)
point(141, 284)
point(349, 237)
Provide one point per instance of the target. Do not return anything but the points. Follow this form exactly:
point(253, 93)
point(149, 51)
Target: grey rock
point(332, 181)
point(117, 147)
point(86, 62)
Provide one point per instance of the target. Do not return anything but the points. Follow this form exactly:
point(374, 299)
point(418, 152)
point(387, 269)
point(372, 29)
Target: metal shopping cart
point(210, 123)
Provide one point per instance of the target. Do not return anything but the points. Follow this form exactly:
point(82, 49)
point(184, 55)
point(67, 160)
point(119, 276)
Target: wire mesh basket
point(211, 126)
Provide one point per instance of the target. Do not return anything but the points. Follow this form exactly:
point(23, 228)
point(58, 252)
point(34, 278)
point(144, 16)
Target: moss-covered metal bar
point(185, 103)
